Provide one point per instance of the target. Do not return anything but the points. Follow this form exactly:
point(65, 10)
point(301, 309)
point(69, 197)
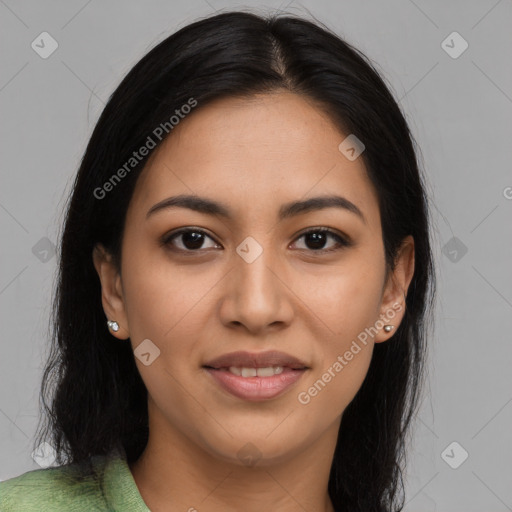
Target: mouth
point(256, 360)
point(256, 376)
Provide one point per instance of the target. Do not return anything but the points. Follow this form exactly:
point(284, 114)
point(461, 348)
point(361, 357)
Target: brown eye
point(315, 240)
point(189, 240)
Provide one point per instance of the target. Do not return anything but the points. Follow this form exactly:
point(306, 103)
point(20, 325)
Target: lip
point(256, 388)
point(256, 360)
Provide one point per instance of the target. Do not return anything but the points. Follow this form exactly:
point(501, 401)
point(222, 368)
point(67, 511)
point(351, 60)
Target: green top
point(104, 483)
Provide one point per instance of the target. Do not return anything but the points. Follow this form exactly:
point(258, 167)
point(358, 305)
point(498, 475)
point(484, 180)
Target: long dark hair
point(92, 394)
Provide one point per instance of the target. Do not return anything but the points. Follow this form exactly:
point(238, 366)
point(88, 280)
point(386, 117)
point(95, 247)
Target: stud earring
point(388, 328)
point(113, 325)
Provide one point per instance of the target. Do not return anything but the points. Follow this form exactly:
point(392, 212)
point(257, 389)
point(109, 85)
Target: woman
point(245, 278)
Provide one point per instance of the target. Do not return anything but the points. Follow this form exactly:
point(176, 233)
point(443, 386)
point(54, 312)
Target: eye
point(316, 238)
point(193, 239)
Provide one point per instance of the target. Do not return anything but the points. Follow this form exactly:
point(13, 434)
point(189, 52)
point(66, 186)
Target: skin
point(253, 156)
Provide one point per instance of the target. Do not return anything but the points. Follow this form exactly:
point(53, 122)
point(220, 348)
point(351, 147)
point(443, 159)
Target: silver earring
point(388, 328)
point(113, 325)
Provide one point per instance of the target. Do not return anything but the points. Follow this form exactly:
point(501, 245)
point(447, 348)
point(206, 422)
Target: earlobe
point(395, 291)
point(111, 292)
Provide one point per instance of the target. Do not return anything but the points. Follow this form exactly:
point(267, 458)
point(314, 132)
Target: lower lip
point(256, 388)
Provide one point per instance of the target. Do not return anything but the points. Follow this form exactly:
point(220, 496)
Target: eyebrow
point(210, 207)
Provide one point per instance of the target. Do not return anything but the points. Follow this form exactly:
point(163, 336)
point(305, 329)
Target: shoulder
point(72, 487)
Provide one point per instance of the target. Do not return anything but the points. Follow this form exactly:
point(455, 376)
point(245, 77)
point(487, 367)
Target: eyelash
point(342, 242)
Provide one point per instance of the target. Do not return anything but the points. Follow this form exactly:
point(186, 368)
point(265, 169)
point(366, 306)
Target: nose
point(257, 296)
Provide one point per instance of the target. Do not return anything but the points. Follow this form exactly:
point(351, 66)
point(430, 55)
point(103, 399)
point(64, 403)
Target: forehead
point(255, 153)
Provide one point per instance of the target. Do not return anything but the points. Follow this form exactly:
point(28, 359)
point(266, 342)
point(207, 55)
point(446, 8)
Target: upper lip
point(242, 359)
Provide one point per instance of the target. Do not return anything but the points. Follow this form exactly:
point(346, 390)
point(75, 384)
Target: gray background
point(459, 109)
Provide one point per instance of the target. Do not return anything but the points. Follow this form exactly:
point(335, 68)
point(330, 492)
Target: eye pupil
point(192, 239)
point(317, 238)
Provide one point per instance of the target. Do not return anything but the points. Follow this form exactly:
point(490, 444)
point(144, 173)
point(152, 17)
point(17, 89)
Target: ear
point(111, 290)
point(395, 290)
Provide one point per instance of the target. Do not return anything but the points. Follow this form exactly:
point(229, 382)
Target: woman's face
point(253, 280)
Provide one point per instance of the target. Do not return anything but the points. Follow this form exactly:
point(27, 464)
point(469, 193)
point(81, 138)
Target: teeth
point(249, 372)
point(269, 371)
point(253, 372)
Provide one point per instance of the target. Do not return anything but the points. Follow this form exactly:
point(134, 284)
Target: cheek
point(162, 299)
point(332, 387)
point(346, 299)
point(347, 302)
